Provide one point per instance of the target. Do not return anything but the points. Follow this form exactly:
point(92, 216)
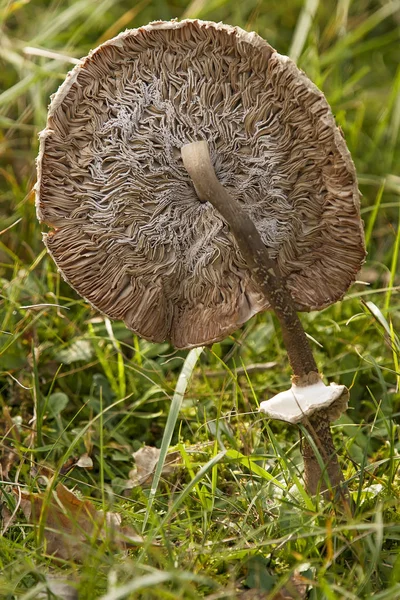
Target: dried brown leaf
point(8, 458)
point(295, 589)
point(9, 434)
point(71, 524)
point(7, 518)
point(85, 462)
point(146, 460)
point(63, 590)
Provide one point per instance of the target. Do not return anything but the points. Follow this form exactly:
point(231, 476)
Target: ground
point(228, 516)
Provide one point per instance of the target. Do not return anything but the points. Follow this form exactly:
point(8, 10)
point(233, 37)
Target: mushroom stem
point(197, 161)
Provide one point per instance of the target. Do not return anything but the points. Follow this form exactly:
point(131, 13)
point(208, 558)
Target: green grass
point(234, 516)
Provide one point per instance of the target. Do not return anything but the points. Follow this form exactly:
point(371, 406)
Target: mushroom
point(141, 136)
point(315, 415)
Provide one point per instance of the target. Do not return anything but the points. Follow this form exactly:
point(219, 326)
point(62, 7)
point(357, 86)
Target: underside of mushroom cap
point(128, 230)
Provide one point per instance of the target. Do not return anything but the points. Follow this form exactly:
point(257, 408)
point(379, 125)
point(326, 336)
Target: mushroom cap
point(128, 231)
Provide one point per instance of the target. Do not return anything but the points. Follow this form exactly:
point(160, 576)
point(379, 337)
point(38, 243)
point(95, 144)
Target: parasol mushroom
point(141, 136)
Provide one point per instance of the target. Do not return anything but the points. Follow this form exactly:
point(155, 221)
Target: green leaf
point(258, 577)
point(57, 402)
point(78, 350)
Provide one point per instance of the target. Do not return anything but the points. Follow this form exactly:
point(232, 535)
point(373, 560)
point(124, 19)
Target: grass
point(233, 520)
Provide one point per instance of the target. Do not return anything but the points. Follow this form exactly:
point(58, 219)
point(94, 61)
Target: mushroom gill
point(128, 230)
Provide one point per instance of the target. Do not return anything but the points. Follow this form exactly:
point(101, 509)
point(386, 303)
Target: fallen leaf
point(9, 434)
point(252, 595)
point(8, 458)
point(61, 589)
point(372, 275)
point(72, 525)
point(295, 589)
point(56, 403)
point(261, 582)
point(7, 518)
point(41, 473)
point(146, 460)
point(69, 464)
point(85, 462)
point(78, 350)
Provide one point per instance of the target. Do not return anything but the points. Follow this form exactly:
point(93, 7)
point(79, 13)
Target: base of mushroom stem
point(328, 480)
point(312, 404)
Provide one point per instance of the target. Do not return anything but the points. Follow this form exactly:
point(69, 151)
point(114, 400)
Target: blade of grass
point(121, 23)
point(182, 383)
point(393, 266)
point(396, 354)
point(188, 465)
point(388, 122)
point(103, 359)
point(101, 444)
point(343, 45)
point(378, 316)
point(120, 358)
point(153, 580)
point(38, 398)
point(139, 583)
point(178, 501)
point(57, 22)
point(248, 462)
point(375, 211)
point(303, 27)
point(287, 465)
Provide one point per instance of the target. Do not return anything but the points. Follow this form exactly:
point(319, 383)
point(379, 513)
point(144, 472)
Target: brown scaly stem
point(265, 271)
point(319, 428)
